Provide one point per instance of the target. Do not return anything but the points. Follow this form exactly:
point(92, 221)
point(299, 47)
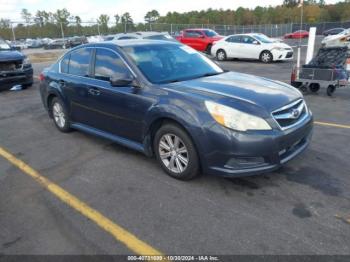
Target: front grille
point(10, 65)
point(290, 115)
point(289, 55)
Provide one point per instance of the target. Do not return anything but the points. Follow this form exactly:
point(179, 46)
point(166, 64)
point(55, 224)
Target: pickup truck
point(15, 68)
point(199, 39)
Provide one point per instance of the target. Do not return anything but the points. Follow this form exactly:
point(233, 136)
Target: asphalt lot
point(304, 208)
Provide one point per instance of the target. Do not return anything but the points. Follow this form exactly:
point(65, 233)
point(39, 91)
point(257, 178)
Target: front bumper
point(235, 154)
point(23, 76)
point(282, 55)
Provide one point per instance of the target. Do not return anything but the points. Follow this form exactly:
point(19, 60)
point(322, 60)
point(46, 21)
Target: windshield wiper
point(210, 74)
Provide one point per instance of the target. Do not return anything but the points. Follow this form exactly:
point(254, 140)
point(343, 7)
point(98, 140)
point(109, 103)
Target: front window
point(108, 64)
point(210, 33)
point(263, 39)
point(4, 45)
point(166, 63)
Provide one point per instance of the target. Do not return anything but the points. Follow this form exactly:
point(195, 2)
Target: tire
point(314, 87)
point(208, 49)
point(25, 86)
point(221, 55)
point(296, 84)
point(59, 115)
point(266, 57)
point(178, 159)
point(330, 90)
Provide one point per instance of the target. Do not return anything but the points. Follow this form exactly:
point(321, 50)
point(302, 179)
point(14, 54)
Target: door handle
point(94, 92)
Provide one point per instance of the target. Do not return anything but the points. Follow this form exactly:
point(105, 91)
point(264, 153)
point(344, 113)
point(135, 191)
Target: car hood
point(247, 89)
point(10, 55)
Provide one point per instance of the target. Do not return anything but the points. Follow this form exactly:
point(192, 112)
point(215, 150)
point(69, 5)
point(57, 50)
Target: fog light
point(245, 162)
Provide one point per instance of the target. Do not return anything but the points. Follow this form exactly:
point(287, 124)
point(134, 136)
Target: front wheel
point(266, 57)
point(221, 55)
point(176, 152)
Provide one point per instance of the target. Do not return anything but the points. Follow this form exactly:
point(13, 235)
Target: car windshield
point(345, 32)
point(166, 63)
point(210, 33)
point(263, 38)
point(4, 45)
point(159, 37)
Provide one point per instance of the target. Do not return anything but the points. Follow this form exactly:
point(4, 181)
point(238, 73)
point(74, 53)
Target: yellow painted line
point(331, 124)
point(132, 242)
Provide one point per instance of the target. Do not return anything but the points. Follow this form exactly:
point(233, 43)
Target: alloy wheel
point(266, 57)
point(58, 115)
point(173, 153)
point(221, 55)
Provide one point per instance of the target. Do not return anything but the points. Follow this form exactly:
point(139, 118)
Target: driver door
point(116, 110)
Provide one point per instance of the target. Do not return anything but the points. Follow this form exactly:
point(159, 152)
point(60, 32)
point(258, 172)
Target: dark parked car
point(168, 100)
point(75, 41)
point(15, 68)
point(57, 44)
point(333, 31)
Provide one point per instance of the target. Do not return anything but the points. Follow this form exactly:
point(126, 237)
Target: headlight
point(235, 119)
point(278, 48)
point(26, 61)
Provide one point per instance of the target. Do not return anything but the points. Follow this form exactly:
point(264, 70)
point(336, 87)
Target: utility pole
point(13, 32)
point(62, 32)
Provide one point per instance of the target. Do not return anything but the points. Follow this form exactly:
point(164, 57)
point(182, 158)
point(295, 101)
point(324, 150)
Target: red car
point(298, 34)
point(199, 39)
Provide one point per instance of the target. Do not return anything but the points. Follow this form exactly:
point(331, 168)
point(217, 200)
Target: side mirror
point(256, 42)
point(201, 36)
point(122, 80)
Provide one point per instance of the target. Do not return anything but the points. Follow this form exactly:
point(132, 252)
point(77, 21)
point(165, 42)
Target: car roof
point(135, 42)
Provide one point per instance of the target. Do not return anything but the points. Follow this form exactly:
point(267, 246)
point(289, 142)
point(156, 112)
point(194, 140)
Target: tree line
point(62, 22)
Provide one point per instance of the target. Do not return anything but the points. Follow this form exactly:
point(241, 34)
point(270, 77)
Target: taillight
point(41, 77)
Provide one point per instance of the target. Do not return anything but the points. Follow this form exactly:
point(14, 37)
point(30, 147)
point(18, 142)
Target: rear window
point(210, 33)
point(79, 62)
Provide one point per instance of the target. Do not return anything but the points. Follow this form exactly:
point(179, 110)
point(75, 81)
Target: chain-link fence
point(19, 30)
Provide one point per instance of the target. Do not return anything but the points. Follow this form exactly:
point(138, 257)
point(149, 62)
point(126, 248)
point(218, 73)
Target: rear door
point(76, 71)
point(232, 46)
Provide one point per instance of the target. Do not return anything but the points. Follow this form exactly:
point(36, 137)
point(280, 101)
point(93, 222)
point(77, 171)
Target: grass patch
point(45, 56)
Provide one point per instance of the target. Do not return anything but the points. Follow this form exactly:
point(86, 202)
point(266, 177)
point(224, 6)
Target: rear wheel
point(25, 86)
point(221, 55)
point(208, 49)
point(266, 57)
point(59, 115)
point(176, 152)
point(314, 87)
point(330, 90)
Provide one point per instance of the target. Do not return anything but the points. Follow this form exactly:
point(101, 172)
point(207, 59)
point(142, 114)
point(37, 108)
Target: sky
point(89, 10)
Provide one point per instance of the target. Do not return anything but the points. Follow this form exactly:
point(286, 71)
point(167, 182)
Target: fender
point(56, 90)
point(189, 120)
